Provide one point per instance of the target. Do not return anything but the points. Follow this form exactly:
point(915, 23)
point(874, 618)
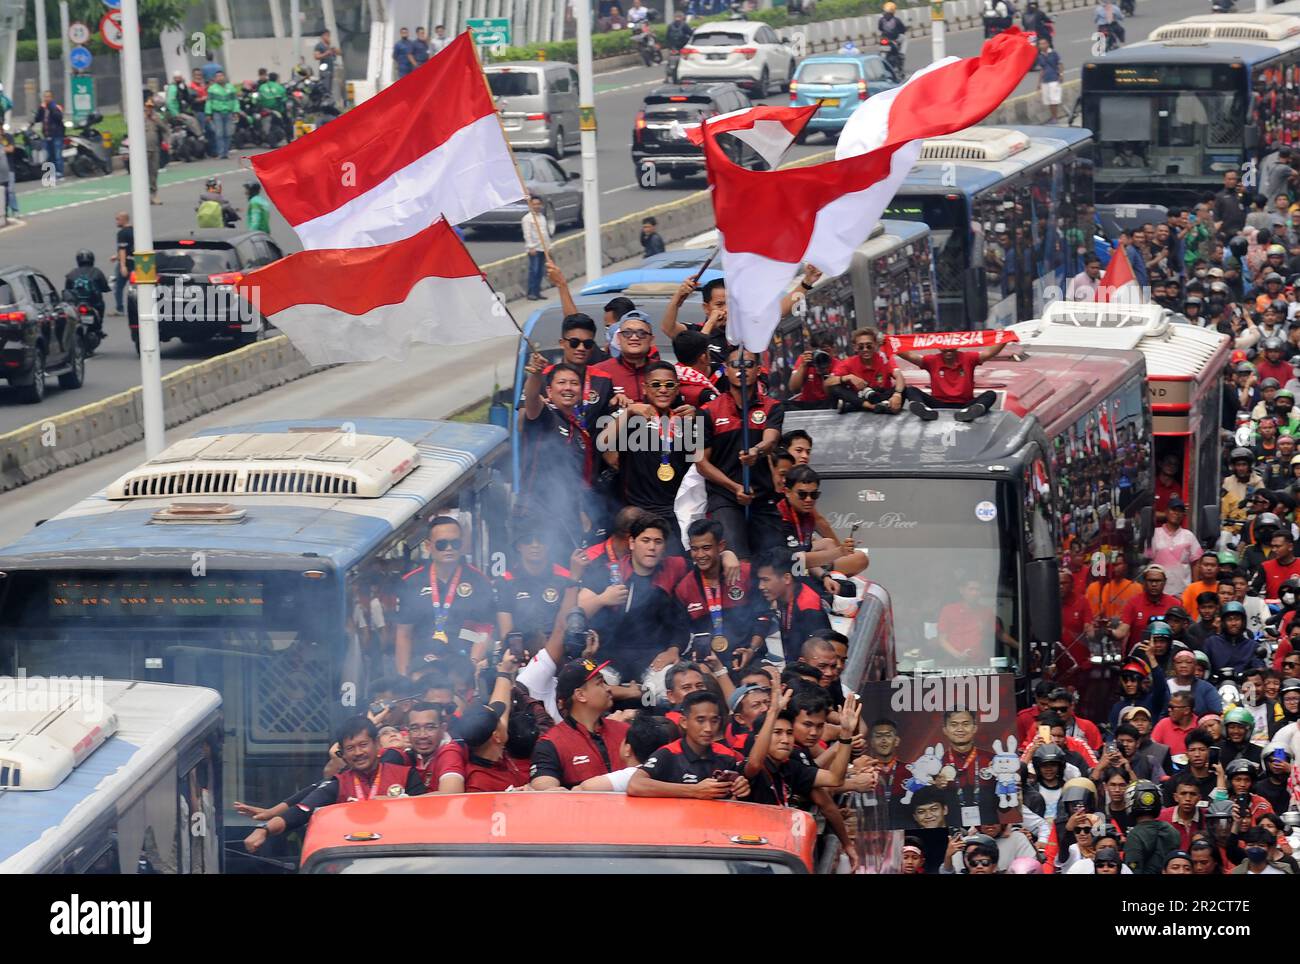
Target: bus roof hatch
point(46, 733)
point(1259, 26)
point(333, 464)
point(975, 144)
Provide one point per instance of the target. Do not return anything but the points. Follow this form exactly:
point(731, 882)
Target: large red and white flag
point(1119, 285)
point(428, 146)
point(771, 222)
point(370, 303)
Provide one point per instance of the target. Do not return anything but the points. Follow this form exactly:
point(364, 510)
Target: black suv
point(199, 277)
point(40, 333)
point(659, 142)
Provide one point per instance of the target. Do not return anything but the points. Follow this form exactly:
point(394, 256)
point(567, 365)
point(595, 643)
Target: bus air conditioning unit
point(1149, 321)
point(47, 731)
point(975, 144)
point(1260, 26)
point(314, 463)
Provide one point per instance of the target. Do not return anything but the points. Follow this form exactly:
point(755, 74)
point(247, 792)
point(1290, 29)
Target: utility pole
point(42, 49)
point(587, 112)
point(66, 47)
point(938, 44)
point(146, 266)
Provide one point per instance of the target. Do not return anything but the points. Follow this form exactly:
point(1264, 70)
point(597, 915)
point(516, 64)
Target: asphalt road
point(77, 213)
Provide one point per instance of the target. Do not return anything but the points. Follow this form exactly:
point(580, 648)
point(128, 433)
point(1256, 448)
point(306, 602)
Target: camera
point(822, 361)
point(575, 634)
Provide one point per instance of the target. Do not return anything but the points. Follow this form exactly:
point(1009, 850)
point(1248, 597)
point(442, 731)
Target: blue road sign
point(80, 58)
point(113, 4)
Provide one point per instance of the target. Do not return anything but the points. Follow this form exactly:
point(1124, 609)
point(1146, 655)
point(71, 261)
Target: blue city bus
point(1010, 214)
point(1199, 97)
point(237, 560)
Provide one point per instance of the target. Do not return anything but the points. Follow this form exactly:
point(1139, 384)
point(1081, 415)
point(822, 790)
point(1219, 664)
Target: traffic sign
point(489, 31)
point(78, 32)
point(80, 58)
point(83, 98)
point(113, 4)
point(110, 29)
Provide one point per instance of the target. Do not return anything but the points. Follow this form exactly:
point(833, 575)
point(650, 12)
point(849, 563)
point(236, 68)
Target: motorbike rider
point(214, 211)
point(1035, 21)
point(891, 27)
point(181, 103)
point(89, 285)
point(1108, 16)
point(997, 16)
point(272, 95)
point(679, 32)
point(259, 208)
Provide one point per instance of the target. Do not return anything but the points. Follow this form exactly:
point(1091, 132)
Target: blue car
point(841, 82)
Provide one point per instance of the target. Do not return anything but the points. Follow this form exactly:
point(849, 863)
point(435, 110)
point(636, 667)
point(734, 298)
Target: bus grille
point(954, 152)
point(181, 483)
point(299, 482)
point(291, 697)
point(1205, 31)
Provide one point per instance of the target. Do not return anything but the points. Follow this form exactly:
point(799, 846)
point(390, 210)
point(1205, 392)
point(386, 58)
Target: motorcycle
point(23, 159)
point(90, 321)
point(1107, 30)
point(1222, 6)
point(164, 154)
point(271, 126)
point(94, 153)
point(646, 45)
point(189, 142)
point(1128, 7)
point(671, 63)
point(893, 54)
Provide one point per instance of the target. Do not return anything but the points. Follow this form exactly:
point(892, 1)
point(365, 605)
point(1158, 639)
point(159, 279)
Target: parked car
point(538, 103)
point(199, 277)
point(40, 334)
point(745, 52)
point(841, 82)
point(659, 141)
point(559, 190)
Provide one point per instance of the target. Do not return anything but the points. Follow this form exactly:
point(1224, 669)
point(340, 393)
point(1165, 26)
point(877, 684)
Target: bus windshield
point(261, 639)
point(946, 551)
point(612, 862)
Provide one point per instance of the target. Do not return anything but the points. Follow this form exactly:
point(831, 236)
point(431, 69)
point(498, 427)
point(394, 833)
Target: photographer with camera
point(807, 383)
point(868, 380)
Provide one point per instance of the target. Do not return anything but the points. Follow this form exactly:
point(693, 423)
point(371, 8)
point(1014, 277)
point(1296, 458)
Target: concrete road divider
point(38, 449)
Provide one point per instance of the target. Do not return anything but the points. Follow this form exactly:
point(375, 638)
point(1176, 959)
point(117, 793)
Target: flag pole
point(495, 295)
point(744, 423)
point(546, 247)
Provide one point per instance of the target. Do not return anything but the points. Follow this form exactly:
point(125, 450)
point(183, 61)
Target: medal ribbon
point(712, 596)
point(961, 772)
point(362, 794)
point(442, 609)
point(665, 444)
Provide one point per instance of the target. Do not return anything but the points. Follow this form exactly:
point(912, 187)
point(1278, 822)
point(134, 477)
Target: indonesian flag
point(428, 146)
point(771, 222)
point(1119, 284)
point(371, 303)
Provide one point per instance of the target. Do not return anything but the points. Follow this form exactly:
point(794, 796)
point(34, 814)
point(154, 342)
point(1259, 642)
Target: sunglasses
point(1105, 863)
point(815, 494)
point(637, 333)
point(979, 862)
point(442, 545)
point(588, 343)
point(662, 384)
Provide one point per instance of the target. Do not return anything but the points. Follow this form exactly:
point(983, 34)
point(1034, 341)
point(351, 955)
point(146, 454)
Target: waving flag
point(770, 222)
point(429, 145)
point(371, 303)
point(1119, 284)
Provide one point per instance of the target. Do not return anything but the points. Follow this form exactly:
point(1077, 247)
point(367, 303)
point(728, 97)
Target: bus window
point(148, 832)
point(1037, 512)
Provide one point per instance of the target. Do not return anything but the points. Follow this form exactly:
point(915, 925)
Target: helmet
point(1270, 382)
point(1220, 810)
point(1025, 865)
point(1227, 558)
point(1273, 276)
point(1290, 685)
point(1240, 765)
point(1159, 627)
point(1080, 790)
point(1049, 753)
point(1201, 657)
point(1143, 797)
point(979, 840)
point(212, 183)
point(1239, 246)
point(1239, 714)
point(889, 7)
point(1229, 609)
point(1237, 455)
point(252, 187)
point(1286, 393)
point(1277, 249)
point(85, 258)
point(1273, 344)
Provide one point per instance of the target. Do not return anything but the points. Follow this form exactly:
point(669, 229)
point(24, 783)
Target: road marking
point(644, 83)
point(615, 190)
point(118, 194)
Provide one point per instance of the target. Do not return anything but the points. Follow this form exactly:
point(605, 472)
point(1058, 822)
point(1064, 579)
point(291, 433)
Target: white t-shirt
point(376, 614)
point(619, 779)
point(538, 677)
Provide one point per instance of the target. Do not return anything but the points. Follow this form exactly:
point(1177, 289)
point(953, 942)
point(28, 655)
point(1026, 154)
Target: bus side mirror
point(1043, 590)
point(1251, 134)
point(1209, 524)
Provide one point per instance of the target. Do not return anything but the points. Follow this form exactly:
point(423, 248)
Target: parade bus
point(943, 505)
point(235, 560)
point(109, 777)
point(1185, 366)
point(1197, 98)
point(1010, 215)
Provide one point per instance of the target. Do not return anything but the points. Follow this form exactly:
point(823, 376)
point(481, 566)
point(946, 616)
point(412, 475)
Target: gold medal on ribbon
point(440, 637)
point(665, 473)
point(719, 644)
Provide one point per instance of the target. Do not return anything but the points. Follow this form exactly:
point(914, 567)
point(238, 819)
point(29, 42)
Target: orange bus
point(557, 833)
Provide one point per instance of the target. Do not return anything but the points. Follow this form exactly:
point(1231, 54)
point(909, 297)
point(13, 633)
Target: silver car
point(538, 103)
point(747, 53)
point(560, 191)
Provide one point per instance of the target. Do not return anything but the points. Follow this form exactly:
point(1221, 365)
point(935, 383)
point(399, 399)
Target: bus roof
point(1055, 386)
point(151, 717)
point(1248, 52)
point(278, 529)
point(558, 820)
point(944, 176)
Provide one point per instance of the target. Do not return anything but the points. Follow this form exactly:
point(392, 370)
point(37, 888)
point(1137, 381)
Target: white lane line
point(110, 197)
point(615, 190)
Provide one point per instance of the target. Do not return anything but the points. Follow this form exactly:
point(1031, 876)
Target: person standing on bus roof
point(1174, 548)
point(952, 383)
point(1083, 286)
point(1229, 210)
point(445, 606)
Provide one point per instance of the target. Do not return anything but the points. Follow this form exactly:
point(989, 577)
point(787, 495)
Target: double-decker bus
point(235, 560)
point(1185, 366)
point(1010, 215)
point(1200, 97)
point(945, 505)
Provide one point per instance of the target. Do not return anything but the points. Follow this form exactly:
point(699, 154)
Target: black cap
point(574, 675)
point(476, 724)
point(1177, 612)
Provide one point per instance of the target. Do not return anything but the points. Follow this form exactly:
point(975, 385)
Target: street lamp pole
point(938, 43)
point(146, 268)
point(587, 111)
